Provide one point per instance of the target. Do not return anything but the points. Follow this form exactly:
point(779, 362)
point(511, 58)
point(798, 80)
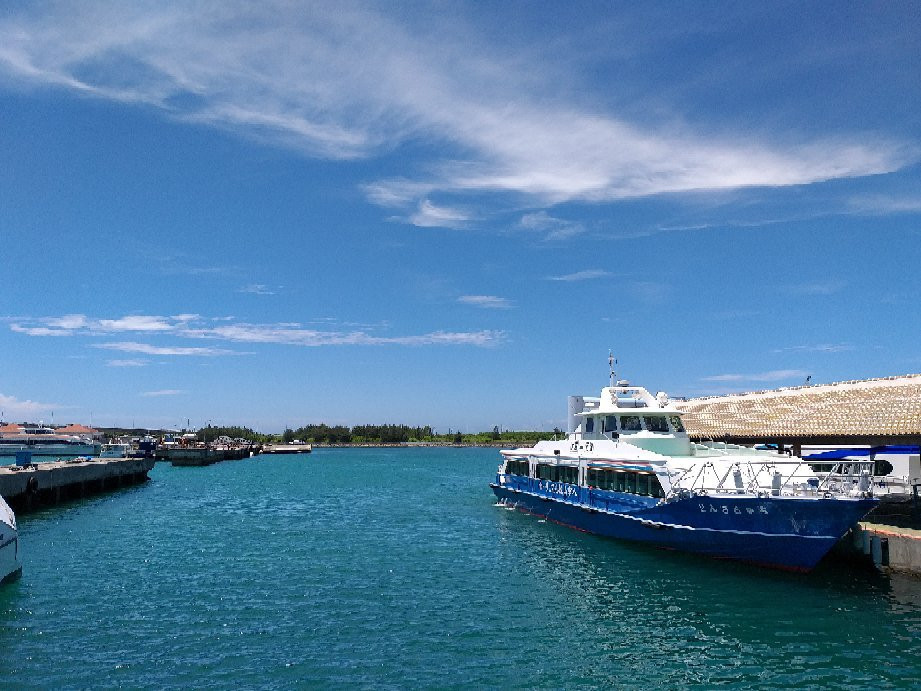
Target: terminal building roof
point(869, 409)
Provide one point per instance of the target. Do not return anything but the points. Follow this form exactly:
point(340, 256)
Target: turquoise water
point(393, 568)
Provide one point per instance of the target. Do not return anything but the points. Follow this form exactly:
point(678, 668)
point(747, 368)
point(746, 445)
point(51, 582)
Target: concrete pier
point(46, 483)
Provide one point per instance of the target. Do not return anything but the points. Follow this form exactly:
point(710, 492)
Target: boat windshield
point(656, 423)
point(630, 423)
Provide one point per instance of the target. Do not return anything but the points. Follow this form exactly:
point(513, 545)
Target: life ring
point(32, 485)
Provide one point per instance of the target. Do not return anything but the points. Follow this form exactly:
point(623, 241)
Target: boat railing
point(767, 478)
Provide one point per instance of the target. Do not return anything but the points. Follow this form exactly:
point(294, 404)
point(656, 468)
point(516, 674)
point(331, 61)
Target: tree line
point(357, 434)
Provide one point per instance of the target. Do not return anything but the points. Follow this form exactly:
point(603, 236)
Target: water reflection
point(687, 620)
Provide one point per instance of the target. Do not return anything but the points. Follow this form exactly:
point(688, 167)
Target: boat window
point(516, 468)
point(610, 423)
point(655, 487)
point(656, 423)
point(620, 482)
point(630, 423)
point(601, 479)
point(642, 485)
point(589, 425)
point(546, 472)
point(569, 474)
point(677, 425)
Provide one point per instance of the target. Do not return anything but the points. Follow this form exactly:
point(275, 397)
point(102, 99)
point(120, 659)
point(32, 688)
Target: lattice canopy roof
point(886, 407)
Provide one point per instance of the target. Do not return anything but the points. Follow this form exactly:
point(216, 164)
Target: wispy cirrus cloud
point(584, 275)
point(348, 81)
point(882, 205)
point(293, 334)
point(428, 215)
point(193, 326)
point(256, 289)
point(73, 324)
point(492, 302)
point(127, 363)
point(771, 376)
point(552, 228)
point(148, 349)
point(162, 392)
point(40, 330)
point(819, 348)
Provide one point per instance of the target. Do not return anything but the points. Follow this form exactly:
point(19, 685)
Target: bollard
point(866, 542)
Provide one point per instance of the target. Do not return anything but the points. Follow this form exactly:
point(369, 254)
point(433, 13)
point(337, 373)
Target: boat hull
point(781, 532)
point(10, 560)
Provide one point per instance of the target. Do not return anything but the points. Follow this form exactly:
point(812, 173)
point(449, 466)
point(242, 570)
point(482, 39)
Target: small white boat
point(115, 451)
point(10, 561)
point(294, 447)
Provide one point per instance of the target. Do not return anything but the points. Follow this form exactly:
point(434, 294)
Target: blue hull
point(782, 532)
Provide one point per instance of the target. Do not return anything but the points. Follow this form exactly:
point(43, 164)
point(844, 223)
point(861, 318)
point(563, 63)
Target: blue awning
point(834, 454)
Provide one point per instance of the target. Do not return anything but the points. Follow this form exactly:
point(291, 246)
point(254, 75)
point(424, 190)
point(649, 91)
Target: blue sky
point(272, 214)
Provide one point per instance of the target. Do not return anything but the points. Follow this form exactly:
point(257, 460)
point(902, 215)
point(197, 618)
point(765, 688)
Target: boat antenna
point(611, 363)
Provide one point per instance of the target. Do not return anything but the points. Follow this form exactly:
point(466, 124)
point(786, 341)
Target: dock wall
point(886, 546)
point(198, 456)
point(42, 484)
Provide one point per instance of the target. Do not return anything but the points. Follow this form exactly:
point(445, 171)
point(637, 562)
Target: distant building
point(80, 430)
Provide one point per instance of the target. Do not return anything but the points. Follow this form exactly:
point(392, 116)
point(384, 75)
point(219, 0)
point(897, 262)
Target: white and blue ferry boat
point(629, 470)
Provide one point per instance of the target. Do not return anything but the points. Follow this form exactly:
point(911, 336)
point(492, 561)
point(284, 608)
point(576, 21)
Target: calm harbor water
point(393, 568)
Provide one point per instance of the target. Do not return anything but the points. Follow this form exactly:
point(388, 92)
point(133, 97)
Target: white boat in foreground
point(628, 470)
point(10, 561)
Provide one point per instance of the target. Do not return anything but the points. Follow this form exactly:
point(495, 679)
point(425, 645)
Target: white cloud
point(428, 215)
point(163, 392)
point(293, 334)
point(14, 408)
point(772, 376)
point(72, 324)
point(584, 275)
point(486, 301)
point(820, 348)
point(227, 329)
point(147, 349)
point(68, 321)
point(256, 289)
point(127, 363)
point(552, 228)
point(343, 81)
point(135, 323)
point(39, 330)
point(885, 204)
